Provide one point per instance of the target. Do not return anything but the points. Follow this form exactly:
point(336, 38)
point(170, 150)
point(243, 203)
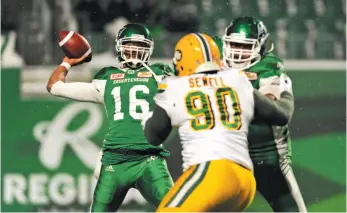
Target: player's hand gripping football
point(59, 74)
point(75, 61)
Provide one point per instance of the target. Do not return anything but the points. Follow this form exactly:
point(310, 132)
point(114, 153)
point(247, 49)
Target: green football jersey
point(127, 94)
point(268, 144)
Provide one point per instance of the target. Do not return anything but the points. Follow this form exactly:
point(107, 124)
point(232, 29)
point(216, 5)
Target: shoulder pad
point(101, 74)
point(272, 61)
point(269, 65)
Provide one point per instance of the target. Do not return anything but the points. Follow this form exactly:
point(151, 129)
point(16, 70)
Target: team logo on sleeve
point(117, 76)
point(251, 75)
point(146, 74)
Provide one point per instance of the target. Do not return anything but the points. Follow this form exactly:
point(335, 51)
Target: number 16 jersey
point(213, 111)
point(127, 94)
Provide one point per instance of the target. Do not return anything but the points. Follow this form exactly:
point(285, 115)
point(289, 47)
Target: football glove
point(275, 85)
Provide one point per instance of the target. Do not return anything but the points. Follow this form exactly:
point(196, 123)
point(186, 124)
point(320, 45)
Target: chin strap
point(271, 48)
point(228, 63)
point(156, 77)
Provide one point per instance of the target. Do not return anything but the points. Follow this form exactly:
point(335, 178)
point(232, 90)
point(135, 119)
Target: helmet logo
point(178, 55)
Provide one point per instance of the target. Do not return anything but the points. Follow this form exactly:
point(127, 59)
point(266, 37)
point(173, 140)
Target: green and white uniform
point(128, 93)
point(244, 46)
point(270, 146)
point(129, 161)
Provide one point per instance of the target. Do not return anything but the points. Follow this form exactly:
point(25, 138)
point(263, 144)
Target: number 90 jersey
point(213, 112)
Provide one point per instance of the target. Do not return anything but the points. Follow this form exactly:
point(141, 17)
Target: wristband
point(66, 65)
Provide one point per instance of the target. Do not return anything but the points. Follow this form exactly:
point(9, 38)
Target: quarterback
point(244, 47)
point(128, 160)
point(212, 110)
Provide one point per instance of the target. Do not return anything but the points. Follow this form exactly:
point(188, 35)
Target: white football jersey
point(213, 112)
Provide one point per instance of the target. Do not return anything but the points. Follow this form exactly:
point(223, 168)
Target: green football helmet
point(244, 42)
point(134, 45)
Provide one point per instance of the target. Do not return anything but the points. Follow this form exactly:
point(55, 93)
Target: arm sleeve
point(274, 112)
point(158, 127)
point(79, 91)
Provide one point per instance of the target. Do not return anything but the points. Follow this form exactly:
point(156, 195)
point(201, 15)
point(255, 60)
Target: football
point(74, 45)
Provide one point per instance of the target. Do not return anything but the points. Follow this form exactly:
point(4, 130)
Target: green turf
point(328, 158)
point(334, 204)
point(259, 205)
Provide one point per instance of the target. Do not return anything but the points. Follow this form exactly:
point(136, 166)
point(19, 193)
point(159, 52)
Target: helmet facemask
point(240, 52)
point(134, 51)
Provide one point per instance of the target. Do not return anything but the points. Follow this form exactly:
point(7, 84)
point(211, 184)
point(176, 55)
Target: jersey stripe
point(162, 86)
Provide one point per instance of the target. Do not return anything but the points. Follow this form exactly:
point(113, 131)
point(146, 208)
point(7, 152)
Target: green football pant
point(150, 176)
point(279, 188)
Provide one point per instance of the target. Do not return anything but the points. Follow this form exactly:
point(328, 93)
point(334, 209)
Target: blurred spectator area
point(310, 29)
